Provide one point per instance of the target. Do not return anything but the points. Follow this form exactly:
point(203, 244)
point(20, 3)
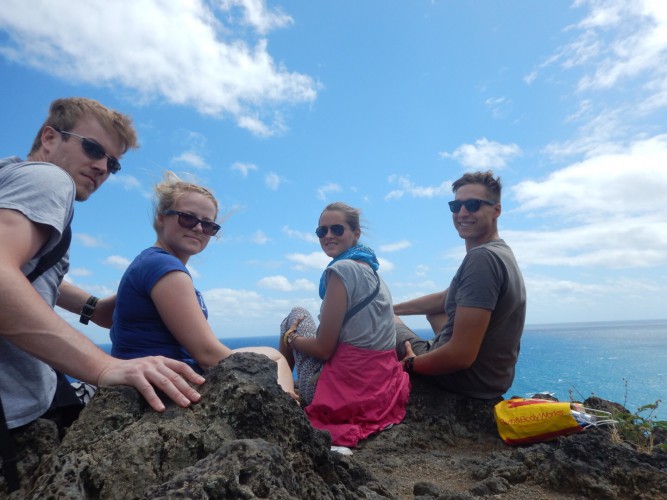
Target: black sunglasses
point(189, 221)
point(336, 229)
point(95, 151)
point(471, 205)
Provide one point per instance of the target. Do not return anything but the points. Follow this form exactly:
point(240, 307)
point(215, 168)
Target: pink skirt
point(359, 392)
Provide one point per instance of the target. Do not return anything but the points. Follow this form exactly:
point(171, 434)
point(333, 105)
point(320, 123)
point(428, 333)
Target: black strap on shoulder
point(51, 258)
point(364, 302)
point(8, 454)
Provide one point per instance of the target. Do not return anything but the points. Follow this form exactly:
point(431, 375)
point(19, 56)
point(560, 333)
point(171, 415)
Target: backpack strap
point(51, 258)
point(364, 302)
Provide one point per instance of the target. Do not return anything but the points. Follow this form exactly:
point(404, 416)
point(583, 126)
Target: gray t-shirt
point(44, 193)
point(373, 326)
point(488, 278)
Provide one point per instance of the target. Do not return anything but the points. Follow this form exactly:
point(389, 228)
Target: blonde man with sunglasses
point(478, 320)
point(73, 154)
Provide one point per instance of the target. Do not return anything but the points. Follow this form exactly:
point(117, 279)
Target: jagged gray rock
point(248, 439)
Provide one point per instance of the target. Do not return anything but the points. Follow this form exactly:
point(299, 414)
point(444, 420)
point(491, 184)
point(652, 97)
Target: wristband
point(408, 366)
point(88, 309)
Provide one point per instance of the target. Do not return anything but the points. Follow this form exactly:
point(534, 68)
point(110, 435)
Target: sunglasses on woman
point(94, 150)
point(472, 205)
point(189, 221)
point(336, 229)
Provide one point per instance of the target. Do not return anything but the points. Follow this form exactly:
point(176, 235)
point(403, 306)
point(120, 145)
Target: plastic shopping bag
point(524, 421)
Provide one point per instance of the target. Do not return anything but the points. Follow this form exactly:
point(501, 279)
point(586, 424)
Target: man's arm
point(470, 324)
point(28, 321)
point(433, 303)
point(73, 298)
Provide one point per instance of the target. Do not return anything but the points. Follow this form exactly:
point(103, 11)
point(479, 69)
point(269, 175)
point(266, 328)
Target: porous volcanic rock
point(248, 439)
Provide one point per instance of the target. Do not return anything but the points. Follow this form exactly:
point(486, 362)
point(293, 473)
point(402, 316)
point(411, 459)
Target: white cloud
point(255, 14)
point(191, 158)
point(324, 191)
point(272, 181)
point(395, 247)
point(619, 45)
point(79, 272)
point(243, 168)
point(608, 212)
point(640, 45)
point(314, 260)
point(235, 313)
point(117, 262)
point(484, 154)
point(500, 106)
point(629, 183)
point(530, 77)
point(386, 265)
point(128, 182)
point(281, 283)
point(406, 186)
point(300, 235)
point(224, 302)
point(89, 241)
point(183, 52)
point(260, 238)
point(193, 271)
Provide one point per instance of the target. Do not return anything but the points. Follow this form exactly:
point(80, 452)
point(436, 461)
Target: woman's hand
point(296, 323)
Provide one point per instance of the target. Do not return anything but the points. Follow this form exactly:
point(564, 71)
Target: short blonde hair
point(65, 114)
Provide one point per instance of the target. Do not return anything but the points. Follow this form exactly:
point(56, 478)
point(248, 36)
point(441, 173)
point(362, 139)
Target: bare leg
point(285, 379)
point(286, 352)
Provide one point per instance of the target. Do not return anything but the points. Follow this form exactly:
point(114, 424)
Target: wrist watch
point(88, 309)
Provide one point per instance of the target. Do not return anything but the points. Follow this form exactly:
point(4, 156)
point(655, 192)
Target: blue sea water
point(624, 362)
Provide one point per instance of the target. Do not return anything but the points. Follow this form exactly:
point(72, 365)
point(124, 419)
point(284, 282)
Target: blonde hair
point(65, 114)
point(171, 189)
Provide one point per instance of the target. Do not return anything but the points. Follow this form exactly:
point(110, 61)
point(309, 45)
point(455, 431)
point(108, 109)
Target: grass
point(640, 429)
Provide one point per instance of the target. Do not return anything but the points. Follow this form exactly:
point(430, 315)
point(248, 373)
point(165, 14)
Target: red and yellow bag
point(524, 421)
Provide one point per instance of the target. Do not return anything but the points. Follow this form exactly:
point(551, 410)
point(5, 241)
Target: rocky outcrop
point(247, 439)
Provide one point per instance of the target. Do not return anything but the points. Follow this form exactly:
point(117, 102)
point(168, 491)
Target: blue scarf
point(357, 252)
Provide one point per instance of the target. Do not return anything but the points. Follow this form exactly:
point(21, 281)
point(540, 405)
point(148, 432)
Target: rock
point(248, 439)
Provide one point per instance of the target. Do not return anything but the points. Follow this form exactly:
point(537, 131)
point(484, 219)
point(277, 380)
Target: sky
point(283, 107)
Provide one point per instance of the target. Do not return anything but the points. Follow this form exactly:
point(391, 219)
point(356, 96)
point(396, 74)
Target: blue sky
point(283, 107)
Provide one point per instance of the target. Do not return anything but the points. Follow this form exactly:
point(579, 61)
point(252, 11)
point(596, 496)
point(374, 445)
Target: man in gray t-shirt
point(479, 319)
point(73, 154)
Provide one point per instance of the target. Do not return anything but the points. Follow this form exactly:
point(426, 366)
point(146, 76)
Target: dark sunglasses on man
point(472, 205)
point(336, 229)
point(189, 221)
point(95, 151)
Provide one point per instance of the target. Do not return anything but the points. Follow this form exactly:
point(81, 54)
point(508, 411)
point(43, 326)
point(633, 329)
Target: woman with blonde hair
point(158, 309)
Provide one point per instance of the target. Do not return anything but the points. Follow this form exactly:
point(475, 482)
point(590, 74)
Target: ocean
point(625, 362)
